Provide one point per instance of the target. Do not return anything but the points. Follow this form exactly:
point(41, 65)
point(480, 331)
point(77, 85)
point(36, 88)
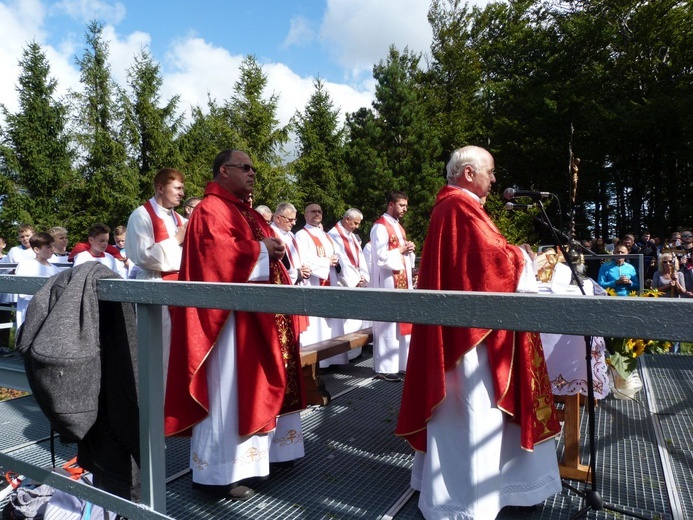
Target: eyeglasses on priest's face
point(245, 167)
point(290, 220)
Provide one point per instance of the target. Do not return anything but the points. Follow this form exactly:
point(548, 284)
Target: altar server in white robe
point(155, 234)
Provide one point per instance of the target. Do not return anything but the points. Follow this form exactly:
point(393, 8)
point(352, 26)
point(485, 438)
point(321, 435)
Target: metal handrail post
point(151, 395)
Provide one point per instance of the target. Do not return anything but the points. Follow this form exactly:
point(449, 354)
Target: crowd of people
point(478, 417)
point(668, 264)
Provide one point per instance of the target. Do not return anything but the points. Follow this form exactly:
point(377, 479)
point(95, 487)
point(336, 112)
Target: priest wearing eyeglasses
point(285, 219)
point(234, 377)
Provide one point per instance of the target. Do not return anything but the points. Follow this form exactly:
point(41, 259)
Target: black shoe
point(392, 378)
point(233, 492)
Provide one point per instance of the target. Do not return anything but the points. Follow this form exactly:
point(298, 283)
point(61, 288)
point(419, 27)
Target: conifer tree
point(111, 183)
point(36, 173)
point(152, 128)
point(407, 148)
point(207, 134)
point(254, 118)
point(320, 170)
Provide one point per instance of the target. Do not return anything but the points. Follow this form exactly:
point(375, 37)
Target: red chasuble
point(464, 251)
point(222, 245)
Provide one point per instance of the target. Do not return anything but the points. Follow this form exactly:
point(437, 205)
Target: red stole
point(320, 247)
point(352, 255)
point(222, 245)
point(465, 252)
point(161, 233)
point(401, 279)
point(85, 246)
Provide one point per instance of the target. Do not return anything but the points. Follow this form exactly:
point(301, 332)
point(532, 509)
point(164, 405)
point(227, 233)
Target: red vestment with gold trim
point(222, 244)
point(464, 251)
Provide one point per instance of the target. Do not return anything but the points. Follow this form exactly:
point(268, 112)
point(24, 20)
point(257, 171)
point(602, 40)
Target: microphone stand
point(591, 495)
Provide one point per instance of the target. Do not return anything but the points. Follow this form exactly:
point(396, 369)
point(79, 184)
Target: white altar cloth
point(565, 355)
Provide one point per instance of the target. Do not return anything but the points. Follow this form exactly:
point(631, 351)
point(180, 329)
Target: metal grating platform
point(355, 467)
point(672, 380)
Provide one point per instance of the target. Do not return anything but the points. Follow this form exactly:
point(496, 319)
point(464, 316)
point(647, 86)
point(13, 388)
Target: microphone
point(511, 193)
point(509, 206)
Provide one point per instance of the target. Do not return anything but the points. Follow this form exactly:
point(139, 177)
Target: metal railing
point(654, 318)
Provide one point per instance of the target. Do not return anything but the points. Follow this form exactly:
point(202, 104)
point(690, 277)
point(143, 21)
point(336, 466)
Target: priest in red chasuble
point(234, 380)
point(477, 404)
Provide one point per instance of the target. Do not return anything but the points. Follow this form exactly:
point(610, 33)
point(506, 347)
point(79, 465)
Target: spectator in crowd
point(645, 241)
point(629, 241)
point(189, 206)
point(674, 241)
point(98, 236)
point(469, 405)
point(618, 275)
point(600, 246)
point(265, 212)
point(687, 270)
point(611, 244)
point(3, 245)
point(593, 264)
point(235, 377)
point(658, 243)
point(42, 246)
point(668, 279)
point(60, 240)
point(392, 261)
point(685, 250)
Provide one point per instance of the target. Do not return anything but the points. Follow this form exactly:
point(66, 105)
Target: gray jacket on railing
point(81, 362)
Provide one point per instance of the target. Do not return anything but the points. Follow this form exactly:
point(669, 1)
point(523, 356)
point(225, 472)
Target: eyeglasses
point(290, 220)
point(686, 236)
point(667, 261)
point(245, 167)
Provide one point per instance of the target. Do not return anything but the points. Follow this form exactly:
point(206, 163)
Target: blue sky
point(200, 44)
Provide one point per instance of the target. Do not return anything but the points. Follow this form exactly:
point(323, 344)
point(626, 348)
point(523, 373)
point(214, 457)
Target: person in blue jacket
point(618, 274)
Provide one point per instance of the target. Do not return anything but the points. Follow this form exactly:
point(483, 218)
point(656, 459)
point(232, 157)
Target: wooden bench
point(311, 355)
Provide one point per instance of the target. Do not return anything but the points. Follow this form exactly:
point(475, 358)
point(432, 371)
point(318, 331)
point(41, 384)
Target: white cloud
point(122, 52)
point(196, 69)
point(20, 24)
point(192, 67)
point(361, 31)
point(88, 10)
point(301, 33)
